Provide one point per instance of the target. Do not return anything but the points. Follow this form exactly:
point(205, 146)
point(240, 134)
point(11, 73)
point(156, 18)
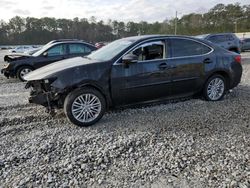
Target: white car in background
point(21, 49)
point(32, 51)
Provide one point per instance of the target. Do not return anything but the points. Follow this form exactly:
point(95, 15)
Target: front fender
point(104, 90)
point(101, 84)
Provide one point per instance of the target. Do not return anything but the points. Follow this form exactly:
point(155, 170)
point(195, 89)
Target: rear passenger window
point(214, 39)
point(185, 47)
point(223, 38)
point(230, 37)
point(220, 38)
point(78, 48)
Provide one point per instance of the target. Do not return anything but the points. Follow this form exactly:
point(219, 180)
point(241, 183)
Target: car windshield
point(108, 52)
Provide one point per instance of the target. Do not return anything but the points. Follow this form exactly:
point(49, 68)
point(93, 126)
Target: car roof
point(216, 34)
point(145, 37)
point(67, 40)
point(202, 36)
point(64, 40)
point(70, 42)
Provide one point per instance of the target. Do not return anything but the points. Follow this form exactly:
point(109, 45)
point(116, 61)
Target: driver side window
point(56, 50)
point(150, 51)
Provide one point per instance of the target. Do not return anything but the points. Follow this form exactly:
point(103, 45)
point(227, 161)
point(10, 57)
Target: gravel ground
point(190, 143)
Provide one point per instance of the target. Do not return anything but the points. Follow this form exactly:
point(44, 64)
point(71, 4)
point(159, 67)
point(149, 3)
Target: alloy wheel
point(215, 89)
point(86, 108)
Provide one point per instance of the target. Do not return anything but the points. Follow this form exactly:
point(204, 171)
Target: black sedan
point(135, 70)
point(18, 65)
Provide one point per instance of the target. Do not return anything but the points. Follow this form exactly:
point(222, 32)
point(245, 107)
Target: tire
point(22, 71)
point(215, 88)
point(73, 108)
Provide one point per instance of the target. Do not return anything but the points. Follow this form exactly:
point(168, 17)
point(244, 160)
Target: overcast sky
point(124, 10)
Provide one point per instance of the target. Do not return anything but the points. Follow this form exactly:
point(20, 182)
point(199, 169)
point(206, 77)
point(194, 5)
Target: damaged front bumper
point(43, 99)
point(7, 73)
point(43, 94)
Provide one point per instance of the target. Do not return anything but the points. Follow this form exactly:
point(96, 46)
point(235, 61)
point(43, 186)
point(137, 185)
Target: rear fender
point(225, 73)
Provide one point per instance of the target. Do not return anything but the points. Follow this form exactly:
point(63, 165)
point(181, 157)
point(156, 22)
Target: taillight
point(237, 58)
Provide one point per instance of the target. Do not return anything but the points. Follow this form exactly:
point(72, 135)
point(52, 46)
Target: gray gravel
point(190, 143)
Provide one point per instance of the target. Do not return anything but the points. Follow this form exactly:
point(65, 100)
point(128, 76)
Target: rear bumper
point(237, 74)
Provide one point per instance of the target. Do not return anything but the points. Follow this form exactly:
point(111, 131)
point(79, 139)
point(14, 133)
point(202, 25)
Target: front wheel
point(22, 71)
point(84, 107)
point(215, 88)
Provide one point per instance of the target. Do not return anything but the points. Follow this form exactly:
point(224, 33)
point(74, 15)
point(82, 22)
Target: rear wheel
point(22, 71)
point(215, 88)
point(84, 107)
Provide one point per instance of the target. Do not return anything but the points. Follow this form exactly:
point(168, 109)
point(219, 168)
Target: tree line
point(220, 18)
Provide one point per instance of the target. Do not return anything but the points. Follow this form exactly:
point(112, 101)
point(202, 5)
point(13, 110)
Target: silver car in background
point(228, 41)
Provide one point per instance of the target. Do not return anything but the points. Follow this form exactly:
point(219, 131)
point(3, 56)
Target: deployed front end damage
point(44, 94)
point(8, 70)
point(53, 86)
point(15, 57)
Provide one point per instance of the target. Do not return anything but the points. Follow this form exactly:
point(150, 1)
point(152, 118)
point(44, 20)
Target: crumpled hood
point(19, 55)
point(56, 67)
point(16, 56)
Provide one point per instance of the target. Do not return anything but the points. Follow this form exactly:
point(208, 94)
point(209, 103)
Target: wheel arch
point(223, 73)
point(23, 65)
point(97, 87)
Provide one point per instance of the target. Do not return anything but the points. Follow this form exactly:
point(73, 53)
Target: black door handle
point(163, 66)
point(207, 61)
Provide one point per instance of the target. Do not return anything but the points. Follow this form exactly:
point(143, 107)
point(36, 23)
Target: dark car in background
point(135, 70)
point(228, 41)
point(245, 44)
point(18, 65)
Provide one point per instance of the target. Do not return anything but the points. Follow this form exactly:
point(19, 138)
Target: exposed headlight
point(6, 65)
point(46, 81)
point(49, 80)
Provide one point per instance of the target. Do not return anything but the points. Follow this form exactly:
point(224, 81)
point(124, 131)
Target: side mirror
point(45, 54)
point(129, 58)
